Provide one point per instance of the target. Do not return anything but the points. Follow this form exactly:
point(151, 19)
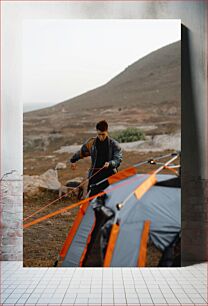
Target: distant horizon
point(36, 106)
point(63, 59)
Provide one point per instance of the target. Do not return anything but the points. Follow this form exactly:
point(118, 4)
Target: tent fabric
point(73, 229)
point(78, 245)
point(161, 205)
point(127, 246)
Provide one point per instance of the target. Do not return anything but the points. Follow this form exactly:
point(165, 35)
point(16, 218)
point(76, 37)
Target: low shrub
point(129, 135)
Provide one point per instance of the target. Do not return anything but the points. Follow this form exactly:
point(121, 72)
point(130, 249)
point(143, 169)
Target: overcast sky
point(65, 58)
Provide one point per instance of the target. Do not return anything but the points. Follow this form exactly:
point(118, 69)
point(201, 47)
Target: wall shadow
point(193, 244)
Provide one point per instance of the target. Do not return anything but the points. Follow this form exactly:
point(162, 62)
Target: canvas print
point(102, 141)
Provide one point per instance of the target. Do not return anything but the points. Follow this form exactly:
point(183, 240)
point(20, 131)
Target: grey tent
point(126, 222)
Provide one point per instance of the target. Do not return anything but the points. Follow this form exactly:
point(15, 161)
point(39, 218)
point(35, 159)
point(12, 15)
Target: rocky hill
point(146, 94)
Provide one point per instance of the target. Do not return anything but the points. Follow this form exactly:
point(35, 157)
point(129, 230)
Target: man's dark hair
point(102, 126)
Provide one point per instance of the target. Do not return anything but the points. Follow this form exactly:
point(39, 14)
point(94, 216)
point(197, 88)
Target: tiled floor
point(119, 286)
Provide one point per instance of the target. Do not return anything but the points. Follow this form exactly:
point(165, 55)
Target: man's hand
point(73, 166)
point(106, 165)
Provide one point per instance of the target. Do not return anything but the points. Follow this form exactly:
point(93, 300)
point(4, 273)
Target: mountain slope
point(145, 95)
point(152, 80)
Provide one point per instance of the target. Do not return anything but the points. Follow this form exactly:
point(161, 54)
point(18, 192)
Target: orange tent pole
point(121, 175)
point(143, 245)
point(111, 244)
point(145, 186)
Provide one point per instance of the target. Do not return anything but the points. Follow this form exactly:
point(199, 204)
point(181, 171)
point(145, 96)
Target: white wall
point(190, 12)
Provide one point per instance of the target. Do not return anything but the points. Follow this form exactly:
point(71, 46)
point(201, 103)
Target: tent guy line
point(151, 161)
point(82, 183)
point(100, 194)
point(64, 195)
point(143, 187)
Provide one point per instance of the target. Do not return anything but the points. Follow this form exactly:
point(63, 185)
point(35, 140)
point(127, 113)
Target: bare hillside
point(146, 94)
point(152, 80)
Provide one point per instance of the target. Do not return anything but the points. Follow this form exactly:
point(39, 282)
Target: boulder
point(49, 180)
point(46, 181)
point(60, 166)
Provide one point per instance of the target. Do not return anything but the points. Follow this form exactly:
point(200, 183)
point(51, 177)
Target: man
point(104, 151)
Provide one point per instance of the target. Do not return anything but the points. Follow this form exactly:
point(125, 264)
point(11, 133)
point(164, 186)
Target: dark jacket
point(89, 149)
